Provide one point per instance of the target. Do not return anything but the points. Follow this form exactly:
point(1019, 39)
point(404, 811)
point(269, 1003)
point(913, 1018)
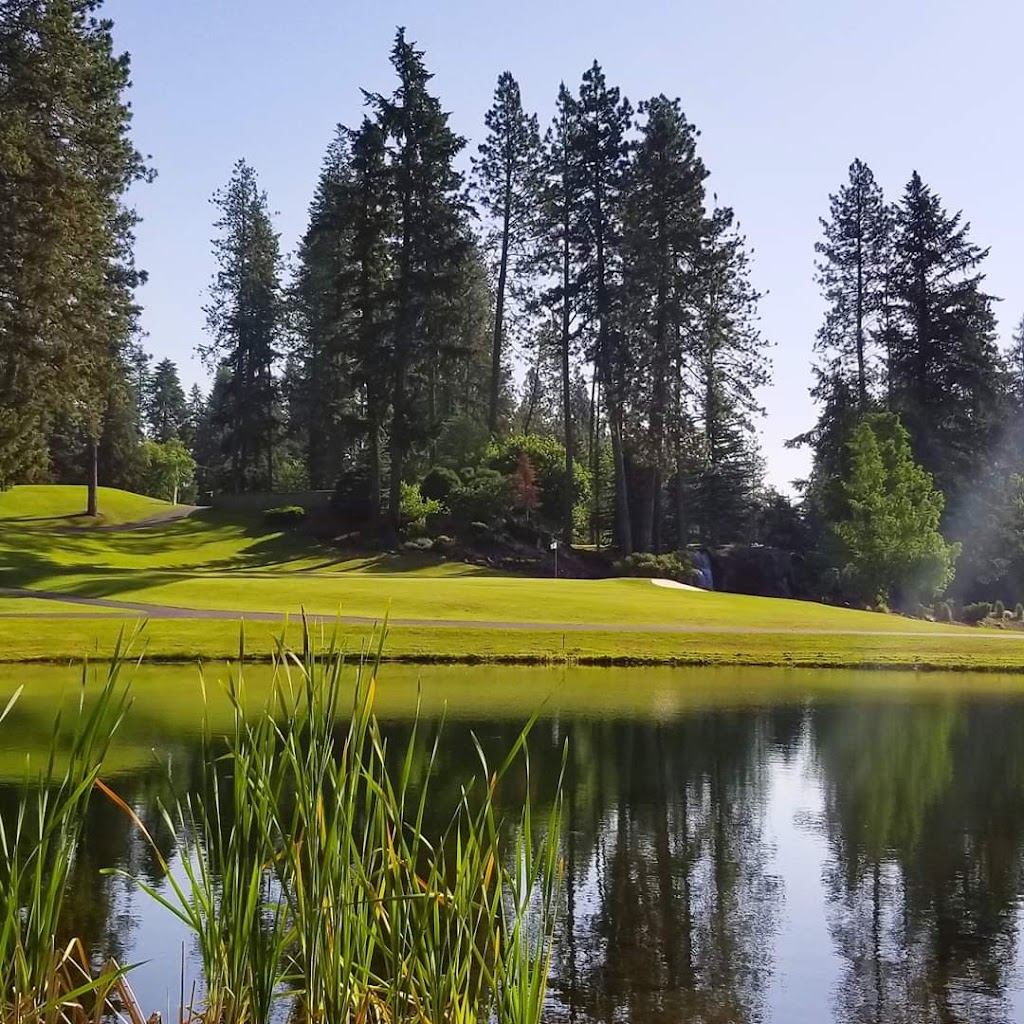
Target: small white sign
point(554, 545)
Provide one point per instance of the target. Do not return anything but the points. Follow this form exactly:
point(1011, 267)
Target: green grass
point(234, 564)
point(50, 640)
point(50, 505)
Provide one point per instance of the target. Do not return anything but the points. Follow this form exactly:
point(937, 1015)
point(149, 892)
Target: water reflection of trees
point(924, 813)
point(670, 906)
point(670, 901)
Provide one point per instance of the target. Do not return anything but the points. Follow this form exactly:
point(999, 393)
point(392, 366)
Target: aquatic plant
point(307, 874)
point(43, 978)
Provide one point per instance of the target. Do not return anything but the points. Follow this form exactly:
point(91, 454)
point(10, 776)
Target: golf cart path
point(172, 515)
point(101, 605)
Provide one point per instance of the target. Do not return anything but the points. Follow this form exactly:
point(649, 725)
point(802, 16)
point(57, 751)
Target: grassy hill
point(229, 564)
point(55, 505)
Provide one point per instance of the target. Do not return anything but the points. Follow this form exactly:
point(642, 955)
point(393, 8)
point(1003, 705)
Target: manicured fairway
point(228, 567)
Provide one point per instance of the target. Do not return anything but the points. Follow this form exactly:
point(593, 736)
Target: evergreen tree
point(506, 180)
point(195, 414)
point(373, 232)
point(66, 269)
point(243, 319)
point(727, 366)
point(891, 529)
point(321, 395)
point(431, 243)
point(556, 256)
point(166, 409)
point(852, 268)
point(944, 364)
point(601, 144)
point(663, 229)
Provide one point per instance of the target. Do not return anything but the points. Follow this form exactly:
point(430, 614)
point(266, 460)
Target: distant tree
point(727, 365)
point(431, 245)
point(663, 229)
point(320, 373)
point(243, 319)
point(527, 494)
point(891, 527)
point(66, 231)
point(195, 414)
point(165, 406)
point(601, 146)
point(852, 268)
point(506, 178)
point(1015, 366)
point(168, 469)
point(559, 238)
point(944, 365)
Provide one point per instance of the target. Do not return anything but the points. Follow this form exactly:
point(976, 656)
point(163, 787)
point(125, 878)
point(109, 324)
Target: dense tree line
point(910, 331)
point(590, 250)
point(567, 295)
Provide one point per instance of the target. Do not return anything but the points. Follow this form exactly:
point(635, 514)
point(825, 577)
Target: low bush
point(418, 544)
point(351, 499)
point(1018, 612)
point(670, 567)
point(286, 515)
point(439, 483)
point(943, 612)
point(998, 610)
point(415, 508)
point(485, 498)
point(442, 545)
point(975, 613)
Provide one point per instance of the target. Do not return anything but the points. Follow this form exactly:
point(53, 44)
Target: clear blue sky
point(785, 93)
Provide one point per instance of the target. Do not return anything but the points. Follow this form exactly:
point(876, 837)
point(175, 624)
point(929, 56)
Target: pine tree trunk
point(375, 471)
point(645, 517)
point(567, 427)
point(92, 504)
point(499, 325)
point(862, 383)
point(595, 455)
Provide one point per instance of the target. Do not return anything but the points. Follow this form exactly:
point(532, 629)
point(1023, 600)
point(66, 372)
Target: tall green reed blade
point(307, 873)
point(40, 980)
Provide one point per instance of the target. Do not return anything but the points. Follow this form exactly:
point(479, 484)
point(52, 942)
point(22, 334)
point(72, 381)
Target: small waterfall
point(702, 564)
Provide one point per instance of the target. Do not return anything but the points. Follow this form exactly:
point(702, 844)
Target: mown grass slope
point(234, 564)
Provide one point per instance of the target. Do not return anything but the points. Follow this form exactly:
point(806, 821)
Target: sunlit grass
point(46, 506)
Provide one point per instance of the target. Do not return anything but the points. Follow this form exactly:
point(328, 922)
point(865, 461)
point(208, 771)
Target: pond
point(740, 846)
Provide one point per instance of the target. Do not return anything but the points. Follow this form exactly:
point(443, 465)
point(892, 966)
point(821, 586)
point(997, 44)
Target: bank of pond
point(516, 844)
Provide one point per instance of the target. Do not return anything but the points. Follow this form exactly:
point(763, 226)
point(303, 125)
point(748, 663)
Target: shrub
point(418, 544)
point(1018, 612)
point(439, 483)
point(486, 497)
point(351, 498)
point(943, 612)
point(442, 545)
point(415, 508)
point(546, 456)
point(999, 610)
point(286, 515)
point(670, 567)
point(975, 613)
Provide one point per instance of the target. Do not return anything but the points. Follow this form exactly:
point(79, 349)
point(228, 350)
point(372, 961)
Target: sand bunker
point(673, 585)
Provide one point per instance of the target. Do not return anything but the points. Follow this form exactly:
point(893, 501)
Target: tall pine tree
point(66, 269)
point(853, 263)
point(430, 246)
point(506, 178)
point(944, 364)
point(243, 319)
point(663, 231)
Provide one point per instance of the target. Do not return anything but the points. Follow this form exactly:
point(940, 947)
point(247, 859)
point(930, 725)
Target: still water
point(780, 847)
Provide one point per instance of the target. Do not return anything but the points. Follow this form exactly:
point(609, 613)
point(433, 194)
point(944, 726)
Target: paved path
point(170, 516)
point(100, 606)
